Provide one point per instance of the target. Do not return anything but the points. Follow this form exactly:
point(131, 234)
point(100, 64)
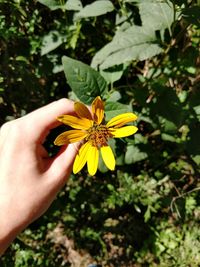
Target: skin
point(29, 178)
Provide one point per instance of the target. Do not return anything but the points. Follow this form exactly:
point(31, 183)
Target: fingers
point(61, 165)
point(45, 118)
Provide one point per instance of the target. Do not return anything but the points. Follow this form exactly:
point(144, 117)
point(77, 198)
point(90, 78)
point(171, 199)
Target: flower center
point(98, 135)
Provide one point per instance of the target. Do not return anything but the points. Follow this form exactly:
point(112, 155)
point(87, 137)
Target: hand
point(29, 179)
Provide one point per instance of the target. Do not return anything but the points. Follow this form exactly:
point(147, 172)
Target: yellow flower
point(95, 134)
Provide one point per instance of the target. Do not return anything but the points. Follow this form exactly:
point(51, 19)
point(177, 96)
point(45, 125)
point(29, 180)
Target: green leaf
point(147, 214)
point(135, 43)
point(75, 5)
point(133, 154)
point(56, 4)
point(113, 96)
point(96, 8)
point(168, 137)
point(196, 159)
point(113, 74)
point(52, 4)
point(85, 82)
point(197, 110)
point(138, 1)
point(168, 126)
point(51, 41)
point(156, 15)
point(114, 108)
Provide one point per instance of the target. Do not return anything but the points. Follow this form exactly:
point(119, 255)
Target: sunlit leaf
point(51, 41)
point(97, 8)
point(85, 82)
point(156, 15)
point(135, 43)
point(133, 154)
point(56, 4)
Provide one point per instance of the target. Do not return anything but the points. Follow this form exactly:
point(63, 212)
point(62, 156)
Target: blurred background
point(146, 212)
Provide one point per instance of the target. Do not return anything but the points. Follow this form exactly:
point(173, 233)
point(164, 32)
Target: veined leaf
point(97, 8)
point(156, 15)
point(85, 82)
point(135, 43)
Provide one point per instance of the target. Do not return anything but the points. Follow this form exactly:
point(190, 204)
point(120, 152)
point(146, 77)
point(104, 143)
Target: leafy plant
point(140, 56)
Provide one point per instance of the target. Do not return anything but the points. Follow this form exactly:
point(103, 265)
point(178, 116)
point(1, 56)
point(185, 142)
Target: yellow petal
point(71, 136)
point(121, 119)
point(81, 158)
point(92, 160)
point(98, 109)
point(82, 111)
point(75, 122)
point(108, 157)
point(124, 131)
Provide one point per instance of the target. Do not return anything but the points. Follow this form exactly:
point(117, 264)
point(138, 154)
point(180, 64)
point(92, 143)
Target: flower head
point(91, 129)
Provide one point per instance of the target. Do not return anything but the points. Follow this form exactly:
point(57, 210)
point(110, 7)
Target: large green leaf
point(135, 43)
point(156, 15)
point(56, 4)
point(85, 82)
point(97, 8)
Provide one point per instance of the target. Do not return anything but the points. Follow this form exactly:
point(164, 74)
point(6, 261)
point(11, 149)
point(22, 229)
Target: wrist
point(9, 229)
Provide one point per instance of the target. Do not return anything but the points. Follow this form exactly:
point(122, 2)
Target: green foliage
point(84, 81)
point(132, 42)
point(140, 56)
point(68, 5)
point(97, 8)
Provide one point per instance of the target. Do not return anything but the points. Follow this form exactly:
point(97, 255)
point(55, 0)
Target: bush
point(140, 56)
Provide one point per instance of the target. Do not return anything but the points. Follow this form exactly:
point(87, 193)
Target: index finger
point(42, 120)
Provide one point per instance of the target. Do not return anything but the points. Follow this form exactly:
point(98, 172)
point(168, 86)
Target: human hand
point(29, 178)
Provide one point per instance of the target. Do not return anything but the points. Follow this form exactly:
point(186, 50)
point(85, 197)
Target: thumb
point(61, 165)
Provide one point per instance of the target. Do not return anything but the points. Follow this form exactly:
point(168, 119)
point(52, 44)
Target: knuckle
point(64, 101)
point(11, 128)
point(5, 127)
